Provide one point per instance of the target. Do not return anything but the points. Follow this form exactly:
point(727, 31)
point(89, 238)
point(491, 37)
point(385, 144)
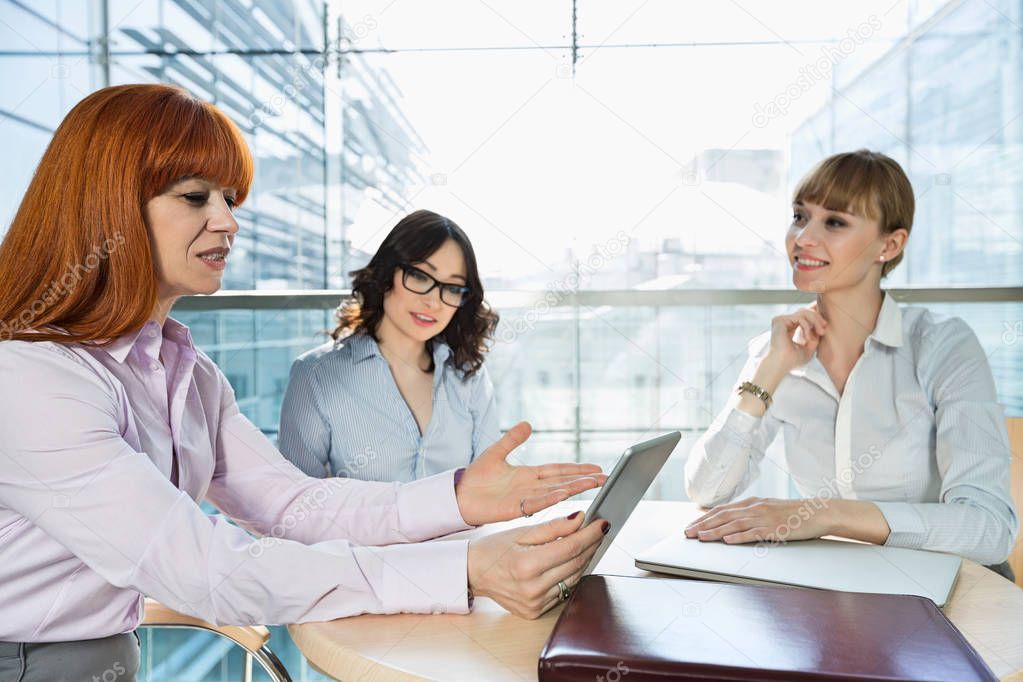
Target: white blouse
point(918, 431)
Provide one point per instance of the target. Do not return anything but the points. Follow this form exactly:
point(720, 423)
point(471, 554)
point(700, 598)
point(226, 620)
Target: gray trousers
point(1005, 570)
point(110, 659)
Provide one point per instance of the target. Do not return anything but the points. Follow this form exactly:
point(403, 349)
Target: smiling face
point(191, 227)
point(830, 250)
point(423, 316)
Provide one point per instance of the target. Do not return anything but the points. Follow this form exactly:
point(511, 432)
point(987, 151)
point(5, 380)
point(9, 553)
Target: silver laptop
point(825, 564)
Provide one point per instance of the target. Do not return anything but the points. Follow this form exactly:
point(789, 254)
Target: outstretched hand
point(493, 490)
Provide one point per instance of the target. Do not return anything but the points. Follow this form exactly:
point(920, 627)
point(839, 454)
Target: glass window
point(455, 24)
point(659, 153)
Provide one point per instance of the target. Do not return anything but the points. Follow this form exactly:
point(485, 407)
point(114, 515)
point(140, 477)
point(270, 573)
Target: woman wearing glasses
point(114, 427)
point(400, 392)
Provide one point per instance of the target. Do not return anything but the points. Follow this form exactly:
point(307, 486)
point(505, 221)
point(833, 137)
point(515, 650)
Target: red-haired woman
point(113, 427)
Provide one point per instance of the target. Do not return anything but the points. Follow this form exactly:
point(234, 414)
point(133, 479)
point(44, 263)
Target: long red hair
point(76, 264)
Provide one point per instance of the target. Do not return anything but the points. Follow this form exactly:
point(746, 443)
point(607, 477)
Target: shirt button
point(156, 367)
point(152, 333)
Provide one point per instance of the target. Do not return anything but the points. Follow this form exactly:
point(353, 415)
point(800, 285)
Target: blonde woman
point(892, 430)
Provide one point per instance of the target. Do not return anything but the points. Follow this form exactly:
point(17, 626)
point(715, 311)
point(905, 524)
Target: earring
point(882, 259)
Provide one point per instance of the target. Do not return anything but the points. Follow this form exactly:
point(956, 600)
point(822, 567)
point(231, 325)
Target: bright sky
point(532, 161)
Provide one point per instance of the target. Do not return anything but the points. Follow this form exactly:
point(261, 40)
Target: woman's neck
point(399, 349)
point(162, 308)
point(852, 316)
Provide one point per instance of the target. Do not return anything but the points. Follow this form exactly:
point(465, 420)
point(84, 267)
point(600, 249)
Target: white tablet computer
point(625, 486)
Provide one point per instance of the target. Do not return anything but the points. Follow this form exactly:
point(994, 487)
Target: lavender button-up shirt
point(105, 455)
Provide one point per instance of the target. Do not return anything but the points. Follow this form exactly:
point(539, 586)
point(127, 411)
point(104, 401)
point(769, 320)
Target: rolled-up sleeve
point(66, 467)
point(725, 460)
point(975, 517)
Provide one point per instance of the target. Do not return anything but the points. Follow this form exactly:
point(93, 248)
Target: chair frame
point(252, 638)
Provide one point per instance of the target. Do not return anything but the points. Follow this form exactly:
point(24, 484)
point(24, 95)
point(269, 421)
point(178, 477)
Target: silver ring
point(522, 508)
point(563, 591)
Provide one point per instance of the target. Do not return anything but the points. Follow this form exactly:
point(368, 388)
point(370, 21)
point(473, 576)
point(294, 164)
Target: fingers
point(709, 522)
point(564, 555)
point(513, 438)
point(562, 470)
point(568, 547)
point(543, 499)
point(748, 520)
point(759, 534)
point(572, 579)
point(820, 325)
point(548, 602)
point(728, 528)
point(571, 571)
point(550, 531)
point(555, 482)
point(810, 321)
point(811, 344)
point(805, 331)
point(789, 330)
point(808, 332)
point(704, 521)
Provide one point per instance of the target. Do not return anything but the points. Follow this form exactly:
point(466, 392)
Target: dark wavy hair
point(413, 240)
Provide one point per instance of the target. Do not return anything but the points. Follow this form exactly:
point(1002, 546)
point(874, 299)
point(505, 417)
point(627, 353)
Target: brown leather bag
point(629, 629)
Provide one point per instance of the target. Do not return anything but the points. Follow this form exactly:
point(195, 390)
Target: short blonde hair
point(864, 183)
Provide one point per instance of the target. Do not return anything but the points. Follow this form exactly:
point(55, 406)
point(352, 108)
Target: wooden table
point(491, 644)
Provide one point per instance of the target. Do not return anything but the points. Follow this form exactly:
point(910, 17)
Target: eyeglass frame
point(407, 267)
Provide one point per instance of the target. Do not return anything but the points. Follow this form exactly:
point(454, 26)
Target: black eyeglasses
point(419, 282)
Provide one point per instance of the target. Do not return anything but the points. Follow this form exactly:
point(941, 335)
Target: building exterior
point(331, 135)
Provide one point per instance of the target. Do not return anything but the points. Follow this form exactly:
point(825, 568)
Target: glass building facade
point(946, 101)
point(600, 155)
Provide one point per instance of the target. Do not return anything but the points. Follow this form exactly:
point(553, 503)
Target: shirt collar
point(365, 346)
point(441, 353)
point(362, 346)
point(888, 329)
point(121, 347)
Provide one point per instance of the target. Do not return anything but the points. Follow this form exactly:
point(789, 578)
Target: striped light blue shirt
point(917, 430)
point(343, 415)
